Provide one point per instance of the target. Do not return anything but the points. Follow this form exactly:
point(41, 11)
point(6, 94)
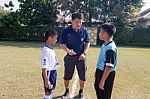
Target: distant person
point(106, 64)
point(75, 42)
point(49, 64)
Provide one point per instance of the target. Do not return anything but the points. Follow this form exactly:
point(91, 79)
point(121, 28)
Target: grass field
point(20, 72)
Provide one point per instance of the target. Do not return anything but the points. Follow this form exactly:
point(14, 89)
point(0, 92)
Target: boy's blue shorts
point(52, 78)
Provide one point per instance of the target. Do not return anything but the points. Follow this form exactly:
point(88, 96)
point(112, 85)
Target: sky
point(146, 5)
point(15, 2)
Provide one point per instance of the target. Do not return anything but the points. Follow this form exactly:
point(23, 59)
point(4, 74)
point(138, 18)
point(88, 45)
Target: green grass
point(20, 72)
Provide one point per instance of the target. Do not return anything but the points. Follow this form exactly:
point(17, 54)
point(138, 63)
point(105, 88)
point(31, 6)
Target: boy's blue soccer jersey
point(108, 56)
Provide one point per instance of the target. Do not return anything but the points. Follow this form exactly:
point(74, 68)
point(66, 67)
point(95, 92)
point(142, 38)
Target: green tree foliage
point(118, 11)
point(44, 12)
point(37, 12)
point(9, 18)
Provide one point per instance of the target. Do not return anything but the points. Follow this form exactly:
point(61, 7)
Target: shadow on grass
point(61, 97)
point(25, 44)
point(21, 44)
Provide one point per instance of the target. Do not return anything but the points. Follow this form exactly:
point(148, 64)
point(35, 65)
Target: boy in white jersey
point(49, 64)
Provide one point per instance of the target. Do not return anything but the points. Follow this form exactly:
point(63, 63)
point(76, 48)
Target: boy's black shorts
point(70, 62)
point(108, 86)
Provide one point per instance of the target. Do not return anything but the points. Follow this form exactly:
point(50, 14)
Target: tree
point(9, 18)
point(38, 12)
point(117, 11)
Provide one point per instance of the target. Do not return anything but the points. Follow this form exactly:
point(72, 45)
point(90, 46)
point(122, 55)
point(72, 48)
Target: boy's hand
point(82, 57)
point(101, 85)
point(48, 84)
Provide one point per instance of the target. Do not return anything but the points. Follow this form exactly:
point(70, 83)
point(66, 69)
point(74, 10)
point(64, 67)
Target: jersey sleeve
point(45, 58)
point(110, 58)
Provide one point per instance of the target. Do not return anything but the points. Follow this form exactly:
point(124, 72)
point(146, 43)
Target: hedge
point(25, 33)
point(132, 36)
point(124, 36)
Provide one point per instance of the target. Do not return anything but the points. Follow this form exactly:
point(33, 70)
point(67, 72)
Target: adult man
point(75, 41)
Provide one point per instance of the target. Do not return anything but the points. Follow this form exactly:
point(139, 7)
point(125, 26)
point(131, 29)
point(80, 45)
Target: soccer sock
point(67, 90)
point(80, 91)
point(47, 97)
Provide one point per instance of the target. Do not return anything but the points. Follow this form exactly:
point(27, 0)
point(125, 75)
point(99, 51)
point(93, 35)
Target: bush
point(25, 33)
point(141, 35)
point(123, 35)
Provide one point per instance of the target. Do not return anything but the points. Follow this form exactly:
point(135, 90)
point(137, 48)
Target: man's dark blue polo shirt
point(74, 40)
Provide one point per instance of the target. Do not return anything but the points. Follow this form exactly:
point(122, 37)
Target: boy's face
point(76, 23)
point(52, 40)
point(102, 34)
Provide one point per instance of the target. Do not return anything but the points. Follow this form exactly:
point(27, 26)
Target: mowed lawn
point(20, 72)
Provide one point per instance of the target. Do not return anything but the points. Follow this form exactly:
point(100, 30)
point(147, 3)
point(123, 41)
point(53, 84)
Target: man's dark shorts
point(70, 62)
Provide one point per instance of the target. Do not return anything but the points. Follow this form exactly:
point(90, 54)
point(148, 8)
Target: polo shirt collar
point(73, 29)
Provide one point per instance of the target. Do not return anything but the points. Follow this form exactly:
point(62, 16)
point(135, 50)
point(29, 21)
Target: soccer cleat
point(65, 96)
point(80, 96)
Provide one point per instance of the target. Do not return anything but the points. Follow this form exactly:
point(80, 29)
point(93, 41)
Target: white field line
point(74, 85)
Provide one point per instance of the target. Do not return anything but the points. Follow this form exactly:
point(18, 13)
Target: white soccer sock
point(47, 97)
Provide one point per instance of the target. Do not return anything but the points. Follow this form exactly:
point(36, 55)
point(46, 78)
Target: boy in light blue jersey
point(106, 64)
point(49, 64)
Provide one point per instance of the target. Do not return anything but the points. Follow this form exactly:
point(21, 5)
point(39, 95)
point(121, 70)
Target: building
point(144, 19)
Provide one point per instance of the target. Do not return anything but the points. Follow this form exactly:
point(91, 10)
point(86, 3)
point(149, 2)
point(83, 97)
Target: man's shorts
point(52, 75)
point(70, 62)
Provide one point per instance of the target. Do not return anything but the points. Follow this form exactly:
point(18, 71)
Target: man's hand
point(71, 52)
point(82, 57)
point(101, 85)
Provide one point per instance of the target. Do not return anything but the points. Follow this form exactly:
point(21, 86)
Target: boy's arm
point(44, 63)
point(46, 80)
point(104, 77)
point(110, 59)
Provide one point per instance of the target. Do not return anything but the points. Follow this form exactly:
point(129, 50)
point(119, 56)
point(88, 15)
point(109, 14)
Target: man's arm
point(86, 47)
point(64, 47)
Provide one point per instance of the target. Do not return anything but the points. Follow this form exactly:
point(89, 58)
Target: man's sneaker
point(80, 96)
point(66, 94)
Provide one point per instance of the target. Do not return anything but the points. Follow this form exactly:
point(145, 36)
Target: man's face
point(76, 23)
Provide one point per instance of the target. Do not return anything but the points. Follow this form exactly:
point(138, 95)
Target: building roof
point(145, 15)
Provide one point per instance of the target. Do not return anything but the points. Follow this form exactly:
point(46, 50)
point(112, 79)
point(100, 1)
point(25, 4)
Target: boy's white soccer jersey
point(49, 60)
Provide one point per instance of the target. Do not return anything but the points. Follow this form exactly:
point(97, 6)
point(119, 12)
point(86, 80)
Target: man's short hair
point(51, 33)
point(109, 28)
point(77, 15)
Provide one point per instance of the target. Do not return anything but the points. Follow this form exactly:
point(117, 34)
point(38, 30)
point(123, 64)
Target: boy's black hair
point(51, 33)
point(109, 28)
point(77, 15)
